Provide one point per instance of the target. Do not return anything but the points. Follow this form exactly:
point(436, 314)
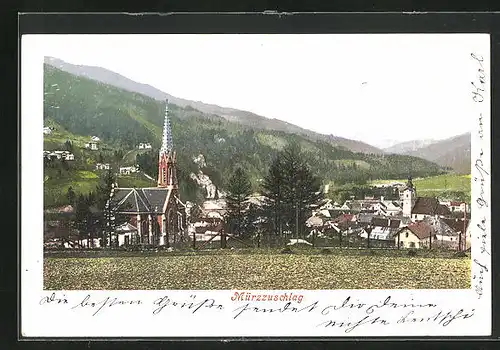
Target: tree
point(68, 145)
point(106, 214)
point(71, 195)
point(302, 189)
point(239, 189)
point(273, 191)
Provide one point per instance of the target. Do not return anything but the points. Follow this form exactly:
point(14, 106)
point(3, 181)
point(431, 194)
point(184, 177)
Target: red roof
point(343, 218)
point(420, 229)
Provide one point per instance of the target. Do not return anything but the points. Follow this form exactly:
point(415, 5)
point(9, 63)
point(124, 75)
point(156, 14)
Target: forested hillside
point(79, 108)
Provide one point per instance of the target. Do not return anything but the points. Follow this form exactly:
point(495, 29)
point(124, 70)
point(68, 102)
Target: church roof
point(140, 200)
point(429, 206)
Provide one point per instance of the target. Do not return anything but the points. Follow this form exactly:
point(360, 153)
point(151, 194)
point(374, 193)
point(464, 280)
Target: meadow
point(258, 270)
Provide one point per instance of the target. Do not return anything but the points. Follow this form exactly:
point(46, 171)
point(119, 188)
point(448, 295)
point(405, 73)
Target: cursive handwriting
point(109, 302)
point(165, 301)
point(371, 308)
point(440, 317)
point(479, 278)
point(349, 326)
point(483, 236)
point(286, 308)
point(53, 299)
point(479, 86)
point(479, 165)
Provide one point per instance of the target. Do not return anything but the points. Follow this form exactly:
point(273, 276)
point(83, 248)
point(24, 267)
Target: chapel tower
point(167, 164)
point(409, 197)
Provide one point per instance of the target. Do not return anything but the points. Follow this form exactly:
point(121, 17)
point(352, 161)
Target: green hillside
point(446, 186)
point(79, 108)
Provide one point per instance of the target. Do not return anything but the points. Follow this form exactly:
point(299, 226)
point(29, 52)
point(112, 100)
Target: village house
point(126, 234)
point(128, 170)
point(92, 146)
point(102, 166)
point(428, 206)
point(389, 208)
point(460, 227)
point(381, 229)
point(47, 130)
point(444, 235)
point(143, 145)
point(214, 208)
point(66, 155)
point(415, 235)
point(455, 206)
point(95, 139)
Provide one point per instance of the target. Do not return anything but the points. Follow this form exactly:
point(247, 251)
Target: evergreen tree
point(239, 189)
point(291, 190)
point(71, 195)
point(273, 191)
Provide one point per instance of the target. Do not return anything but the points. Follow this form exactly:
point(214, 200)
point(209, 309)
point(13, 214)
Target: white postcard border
point(47, 314)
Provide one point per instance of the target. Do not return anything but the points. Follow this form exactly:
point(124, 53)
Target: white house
point(128, 170)
point(144, 145)
point(458, 206)
point(126, 234)
point(47, 130)
point(66, 155)
point(415, 235)
point(95, 139)
point(91, 145)
point(102, 166)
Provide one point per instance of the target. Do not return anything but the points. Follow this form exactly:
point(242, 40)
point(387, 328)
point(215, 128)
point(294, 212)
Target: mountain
point(234, 115)
point(78, 108)
point(408, 146)
point(454, 152)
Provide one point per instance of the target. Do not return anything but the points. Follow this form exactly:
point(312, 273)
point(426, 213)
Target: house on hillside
point(91, 146)
point(428, 206)
point(47, 130)
point(144, 145)
point(62, 155)
point(95, 139)
point(102, 166)
point(128, 170)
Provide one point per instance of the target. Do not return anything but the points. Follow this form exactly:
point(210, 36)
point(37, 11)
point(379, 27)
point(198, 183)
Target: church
point(157, 214)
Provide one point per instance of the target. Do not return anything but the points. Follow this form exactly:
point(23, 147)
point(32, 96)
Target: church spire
point(167, 144)
point(167, 174)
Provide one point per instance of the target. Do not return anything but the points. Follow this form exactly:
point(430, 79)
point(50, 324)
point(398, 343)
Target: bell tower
point(167, 172)
point(409, 197)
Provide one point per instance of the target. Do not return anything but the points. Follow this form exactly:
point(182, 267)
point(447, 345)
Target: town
point(155, 217)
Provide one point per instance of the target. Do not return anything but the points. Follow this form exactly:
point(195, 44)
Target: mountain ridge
point(453, 152)
point(107, 76)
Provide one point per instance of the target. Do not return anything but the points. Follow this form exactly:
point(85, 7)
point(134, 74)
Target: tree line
point(290, 190)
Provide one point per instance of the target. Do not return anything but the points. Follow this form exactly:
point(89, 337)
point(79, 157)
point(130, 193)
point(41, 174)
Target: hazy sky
point(379, 89)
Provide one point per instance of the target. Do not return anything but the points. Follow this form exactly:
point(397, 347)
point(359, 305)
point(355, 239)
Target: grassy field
point(258, 270)
point(437, 185)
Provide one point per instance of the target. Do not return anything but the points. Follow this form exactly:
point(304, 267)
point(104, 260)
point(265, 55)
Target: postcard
point(255, 185)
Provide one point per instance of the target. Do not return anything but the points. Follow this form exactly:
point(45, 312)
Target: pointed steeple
point(167, 174)
point(167, 144)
